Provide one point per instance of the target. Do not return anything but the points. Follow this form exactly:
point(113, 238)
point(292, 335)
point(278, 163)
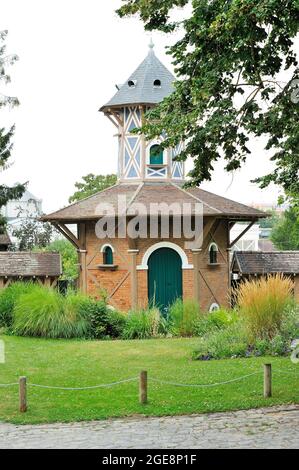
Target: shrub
point(143, 324)
point(233, 340)
point(214, 321)
point(183, 317)
point(8, 298)
point(44, 312)
point(224, 343)
point(262, 304)
point(103, 320)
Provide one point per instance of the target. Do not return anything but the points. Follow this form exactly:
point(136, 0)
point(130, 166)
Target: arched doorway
point(164, 278)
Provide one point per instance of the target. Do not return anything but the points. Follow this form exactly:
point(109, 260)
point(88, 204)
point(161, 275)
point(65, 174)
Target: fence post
point(143, 387)
point(23, 394)
point(267, 381)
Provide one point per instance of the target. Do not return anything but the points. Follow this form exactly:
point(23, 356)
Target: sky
point(71, 55)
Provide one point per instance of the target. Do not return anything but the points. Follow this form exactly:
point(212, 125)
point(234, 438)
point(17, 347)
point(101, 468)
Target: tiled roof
point(266, 245)
point(4, 239)
point(29, 264)
point(144, 91)
point(258, 262)
point(94, 206)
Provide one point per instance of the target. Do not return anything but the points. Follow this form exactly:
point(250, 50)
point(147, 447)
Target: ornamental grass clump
point(8, 298)
point(46, 313)
point(144, 324)
point(262, 304)
point(183, 317)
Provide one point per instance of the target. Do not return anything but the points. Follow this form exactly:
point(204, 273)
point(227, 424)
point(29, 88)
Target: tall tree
point(32, 234)
point(6, 193)
point(69, 257)
point(229, 63)
point(92, 184)
point(285, 233)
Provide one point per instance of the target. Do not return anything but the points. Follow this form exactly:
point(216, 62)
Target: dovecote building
point(153, 268)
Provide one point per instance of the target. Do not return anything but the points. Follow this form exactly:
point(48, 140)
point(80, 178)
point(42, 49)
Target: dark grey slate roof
point(144, 91)
point(28, 264)
point(259, 262)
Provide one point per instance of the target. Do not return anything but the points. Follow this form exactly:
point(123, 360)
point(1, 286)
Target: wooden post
point(196, 277)
point(23, 394)
point(267, 381)
point(134, 280)
point(83, 271)
point(143, 387)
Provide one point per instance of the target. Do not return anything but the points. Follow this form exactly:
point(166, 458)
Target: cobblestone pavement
point(275, 427)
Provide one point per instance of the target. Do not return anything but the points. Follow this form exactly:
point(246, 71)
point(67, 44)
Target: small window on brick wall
point(214, 308)
point(213, 253)
point(107, 255)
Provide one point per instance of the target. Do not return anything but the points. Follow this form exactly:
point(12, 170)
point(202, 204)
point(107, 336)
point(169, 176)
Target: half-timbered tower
point(155, 267)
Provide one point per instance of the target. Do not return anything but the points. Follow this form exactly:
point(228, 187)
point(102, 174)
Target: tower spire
point(151, 44)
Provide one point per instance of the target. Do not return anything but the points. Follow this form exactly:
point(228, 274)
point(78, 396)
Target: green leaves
point(92, 184)
point(285, 233)
point(6, 193)
point(229, 63)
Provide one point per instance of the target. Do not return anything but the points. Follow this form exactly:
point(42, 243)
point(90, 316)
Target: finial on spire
point(151, 44)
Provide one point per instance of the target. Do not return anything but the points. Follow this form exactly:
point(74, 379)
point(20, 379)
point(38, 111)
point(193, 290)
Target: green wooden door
point(164, 278)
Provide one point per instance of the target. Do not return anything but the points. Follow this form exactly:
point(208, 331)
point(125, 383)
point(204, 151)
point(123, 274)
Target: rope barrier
point(204, 385)
point(9, 385)
point(165, 382)
point(286, 372)
point(83, 388)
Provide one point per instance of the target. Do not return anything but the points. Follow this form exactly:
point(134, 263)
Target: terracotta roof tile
point(147, 193)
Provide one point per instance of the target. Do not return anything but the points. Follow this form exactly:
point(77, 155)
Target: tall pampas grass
point(262, 304)
point(46, 313)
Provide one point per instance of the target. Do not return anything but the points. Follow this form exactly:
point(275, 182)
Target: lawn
point(74, 363)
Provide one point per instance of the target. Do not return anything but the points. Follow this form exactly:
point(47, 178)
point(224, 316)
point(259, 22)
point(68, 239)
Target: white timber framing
point(243, 233)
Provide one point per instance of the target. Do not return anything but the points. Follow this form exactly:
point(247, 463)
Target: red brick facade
point(213, 280)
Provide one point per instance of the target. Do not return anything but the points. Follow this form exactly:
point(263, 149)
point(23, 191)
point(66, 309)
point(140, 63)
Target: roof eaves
point(47, 217)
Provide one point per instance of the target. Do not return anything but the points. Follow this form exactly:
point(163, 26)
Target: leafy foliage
point(214, 321)
point(69, 258)
point(92, 184)
point(32, 234)
point(6, 193)
point(270, 222)
point(222, 343)
point(104, 322)
point(285, 233)
point(5, 61)
point(183, 317)
point(229, 61)
point(233, 341)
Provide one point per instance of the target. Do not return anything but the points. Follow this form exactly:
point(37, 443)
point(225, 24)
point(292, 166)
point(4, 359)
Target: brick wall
point(214, 280)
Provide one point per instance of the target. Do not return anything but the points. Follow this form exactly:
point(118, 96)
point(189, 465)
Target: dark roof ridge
point(266, 252)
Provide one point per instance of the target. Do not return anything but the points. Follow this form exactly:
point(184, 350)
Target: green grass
point(84, 363)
